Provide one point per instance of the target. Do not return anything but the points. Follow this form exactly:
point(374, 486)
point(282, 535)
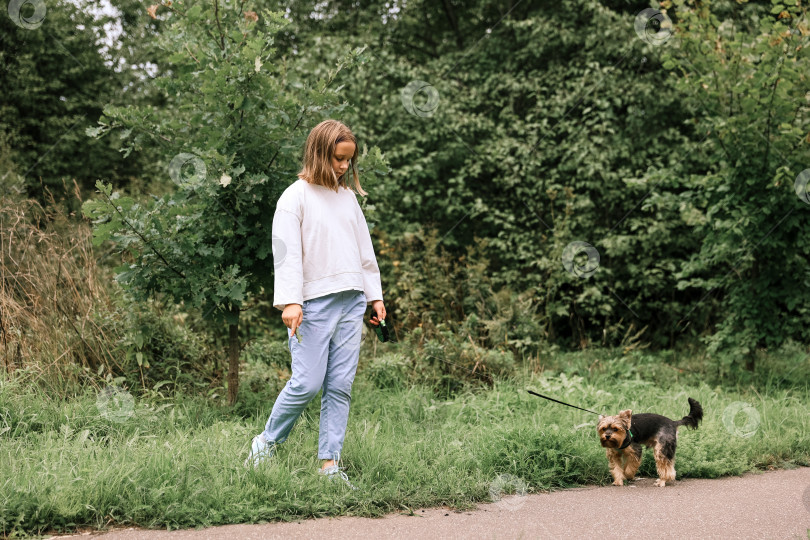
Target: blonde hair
point(318, 152)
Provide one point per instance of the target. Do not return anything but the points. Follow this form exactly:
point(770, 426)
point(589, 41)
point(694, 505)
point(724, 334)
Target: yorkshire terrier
point(622, 436)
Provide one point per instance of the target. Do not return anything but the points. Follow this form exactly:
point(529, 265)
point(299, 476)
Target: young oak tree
point(232, 135)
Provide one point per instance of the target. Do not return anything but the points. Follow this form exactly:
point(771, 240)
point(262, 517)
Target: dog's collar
point(627, 441)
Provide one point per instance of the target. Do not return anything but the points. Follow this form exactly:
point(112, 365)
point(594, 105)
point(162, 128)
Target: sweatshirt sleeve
point(372, 286)
point(288, 283)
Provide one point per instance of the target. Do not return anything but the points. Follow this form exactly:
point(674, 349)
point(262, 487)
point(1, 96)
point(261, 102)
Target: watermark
point(176, 169)
point(750, 419)
point(580, 259)
point(33, 22)
point(506, 483)
point(652, 26)
point(115, 404)
point(424, 106)
point(800, 186)
point(279, 252)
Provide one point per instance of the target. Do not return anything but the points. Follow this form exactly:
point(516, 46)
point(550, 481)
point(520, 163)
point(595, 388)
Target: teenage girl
point(326, 274)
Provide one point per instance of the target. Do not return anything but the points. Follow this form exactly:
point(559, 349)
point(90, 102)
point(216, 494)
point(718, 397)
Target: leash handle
point(561, 402)
point(381, 329)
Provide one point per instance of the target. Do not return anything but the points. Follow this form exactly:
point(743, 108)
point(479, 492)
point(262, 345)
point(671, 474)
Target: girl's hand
point(292, 316)
point(379, 308)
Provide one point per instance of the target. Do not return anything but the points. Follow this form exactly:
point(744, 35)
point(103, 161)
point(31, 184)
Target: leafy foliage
point(543, 135)
point(548, 129)
point(742, 86)
point(56, 74)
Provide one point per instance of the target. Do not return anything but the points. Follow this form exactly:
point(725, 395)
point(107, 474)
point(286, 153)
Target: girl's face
point(344, 151)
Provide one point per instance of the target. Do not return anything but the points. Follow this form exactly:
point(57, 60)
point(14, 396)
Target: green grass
point(178, 462)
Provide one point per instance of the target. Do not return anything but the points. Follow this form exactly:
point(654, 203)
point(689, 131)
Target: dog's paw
point(660, 483)
point(618, 482)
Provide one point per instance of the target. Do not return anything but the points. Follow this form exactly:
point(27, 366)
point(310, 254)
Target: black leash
point(489, 379)
point(561, 402)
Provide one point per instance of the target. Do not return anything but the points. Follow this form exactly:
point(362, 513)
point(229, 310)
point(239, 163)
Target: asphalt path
point(773, 504)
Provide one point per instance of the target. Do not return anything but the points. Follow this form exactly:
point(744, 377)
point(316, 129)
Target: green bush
point(455, 325)
point(388, 370)
point(156, 346)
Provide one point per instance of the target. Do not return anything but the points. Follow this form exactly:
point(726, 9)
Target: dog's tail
point(694, 417)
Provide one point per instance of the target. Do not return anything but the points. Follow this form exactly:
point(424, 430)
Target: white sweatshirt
point(321, 245)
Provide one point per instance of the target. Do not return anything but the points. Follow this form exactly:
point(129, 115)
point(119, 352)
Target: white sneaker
point(260, 450)
point(334, 472)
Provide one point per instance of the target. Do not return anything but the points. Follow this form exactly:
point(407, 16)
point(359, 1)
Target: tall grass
point(51, 292)
point(66, 324)
point(177, 462)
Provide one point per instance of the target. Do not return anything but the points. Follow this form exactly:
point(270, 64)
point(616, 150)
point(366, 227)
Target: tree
point(232, 132)
point(56, 78)
point(745, 79)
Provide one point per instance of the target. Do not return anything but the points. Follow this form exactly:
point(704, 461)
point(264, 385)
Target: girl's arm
point(288, 283)
point(372, 287)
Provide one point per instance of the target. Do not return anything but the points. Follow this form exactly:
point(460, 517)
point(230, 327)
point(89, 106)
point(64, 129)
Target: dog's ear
point(626, 414)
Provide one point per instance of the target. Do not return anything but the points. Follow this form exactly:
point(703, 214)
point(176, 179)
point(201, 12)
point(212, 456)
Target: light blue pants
point(326, 359)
